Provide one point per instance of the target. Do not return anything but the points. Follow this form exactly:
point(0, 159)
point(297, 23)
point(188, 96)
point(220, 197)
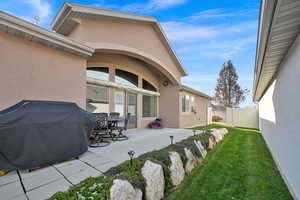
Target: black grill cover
point(37, 133)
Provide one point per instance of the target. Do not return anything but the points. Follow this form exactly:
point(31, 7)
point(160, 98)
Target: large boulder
point(155, 181)
point(192, 160)
point(224, 131)
point(176, 168)
point(218, 136)
point(211, 143)
point(200, 147)
point(123, 190)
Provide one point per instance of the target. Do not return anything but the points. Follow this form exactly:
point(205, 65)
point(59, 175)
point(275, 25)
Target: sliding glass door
point(126, 102)
point(132, 109)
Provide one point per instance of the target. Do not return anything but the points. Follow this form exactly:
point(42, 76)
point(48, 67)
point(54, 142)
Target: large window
point(148, 86)
point(97, 99)
point(149, 106)
point(187, 102)
point(126, 78)
point(100, 73)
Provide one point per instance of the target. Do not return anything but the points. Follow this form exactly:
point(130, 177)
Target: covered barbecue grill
point(37, 133)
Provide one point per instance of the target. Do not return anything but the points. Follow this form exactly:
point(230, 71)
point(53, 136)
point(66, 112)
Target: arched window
point(148, 86)
point(100, 73)
point(126, 78)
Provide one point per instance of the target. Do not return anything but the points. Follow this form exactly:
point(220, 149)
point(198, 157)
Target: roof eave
point(21, 28)
point(191, 90)
point(279, 29)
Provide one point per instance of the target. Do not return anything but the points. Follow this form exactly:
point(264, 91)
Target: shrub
point(216, 118)
point(90, 188)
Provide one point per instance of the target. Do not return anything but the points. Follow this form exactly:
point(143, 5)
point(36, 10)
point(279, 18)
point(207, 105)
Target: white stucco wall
point(279, 116)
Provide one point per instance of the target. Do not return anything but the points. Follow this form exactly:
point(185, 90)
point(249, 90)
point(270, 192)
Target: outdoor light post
point(131, 154)
point(194, 131)
point(171, 138)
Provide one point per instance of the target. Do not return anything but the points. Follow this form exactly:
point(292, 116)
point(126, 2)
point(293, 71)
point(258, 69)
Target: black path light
point(171, 138)
point(194, 131)
point(131, 154)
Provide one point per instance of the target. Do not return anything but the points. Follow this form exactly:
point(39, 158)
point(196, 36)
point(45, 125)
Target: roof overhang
point(18, 27)
point(279, 27)
point(65, 21)
point(193, 91)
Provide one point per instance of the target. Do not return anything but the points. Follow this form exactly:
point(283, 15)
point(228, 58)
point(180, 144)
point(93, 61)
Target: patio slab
point(42, 183)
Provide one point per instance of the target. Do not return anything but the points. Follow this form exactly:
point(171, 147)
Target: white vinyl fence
point(242, 117)
point(209, 115)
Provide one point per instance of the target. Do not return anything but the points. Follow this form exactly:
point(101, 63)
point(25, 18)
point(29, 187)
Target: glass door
point(132, 109)
point(120, 102)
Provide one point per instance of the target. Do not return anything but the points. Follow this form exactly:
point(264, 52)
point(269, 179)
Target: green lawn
point(239, 167)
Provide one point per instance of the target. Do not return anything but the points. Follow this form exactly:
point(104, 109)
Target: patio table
point(113, 125)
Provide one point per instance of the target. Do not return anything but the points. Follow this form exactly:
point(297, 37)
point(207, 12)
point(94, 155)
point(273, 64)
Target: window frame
point(155, 113)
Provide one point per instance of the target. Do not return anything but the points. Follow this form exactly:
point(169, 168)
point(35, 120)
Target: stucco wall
point(190, 119)
point(125, 63)
point(140, 37)
point(169, 105)
point(32, 71)
point(279, 113)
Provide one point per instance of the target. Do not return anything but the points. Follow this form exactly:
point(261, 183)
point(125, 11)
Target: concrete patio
point(42, 183)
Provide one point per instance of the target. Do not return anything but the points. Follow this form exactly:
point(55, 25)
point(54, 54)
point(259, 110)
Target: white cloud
point(220, 13)
point(103, 4)
point(180, 31)
point(225, 49)
point(188, 31)
point(42, 7)
point(145, 7)
point(152, 6)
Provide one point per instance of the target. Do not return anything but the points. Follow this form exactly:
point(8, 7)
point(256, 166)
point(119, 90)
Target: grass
point(239, 167)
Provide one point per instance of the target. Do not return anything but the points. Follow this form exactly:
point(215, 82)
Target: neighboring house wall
point(32, 71)
point(200, 108)
point(136, 38)
point(279, 116)
point(242, 117)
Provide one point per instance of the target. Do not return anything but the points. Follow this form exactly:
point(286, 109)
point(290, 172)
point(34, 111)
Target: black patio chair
point(99, 133)
point(119, 136)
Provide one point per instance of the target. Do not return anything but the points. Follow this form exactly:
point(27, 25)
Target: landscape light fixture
point(171, 138)
point(131, 154)
point(194, 131)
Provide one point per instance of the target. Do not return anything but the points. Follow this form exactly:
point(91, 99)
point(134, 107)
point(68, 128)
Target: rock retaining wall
point(154, 174)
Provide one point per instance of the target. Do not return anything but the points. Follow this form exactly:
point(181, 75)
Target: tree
point(228, 91)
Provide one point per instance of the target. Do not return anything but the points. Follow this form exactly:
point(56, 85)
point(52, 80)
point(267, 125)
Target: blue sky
point(204, 34)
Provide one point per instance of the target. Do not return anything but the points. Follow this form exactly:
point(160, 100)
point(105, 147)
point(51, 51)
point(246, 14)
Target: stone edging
point(154, 175)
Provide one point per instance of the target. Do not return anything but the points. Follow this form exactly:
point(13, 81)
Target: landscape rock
point(123, 190)
point(155, 181)
point(200, 148)
point(176, 168)
point(218, 136)
point(224, 131)
point(211, 143)
point(192, 161)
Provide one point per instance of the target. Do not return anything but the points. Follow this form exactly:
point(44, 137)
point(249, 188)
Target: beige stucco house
point(276, 85)
point(104, 61)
